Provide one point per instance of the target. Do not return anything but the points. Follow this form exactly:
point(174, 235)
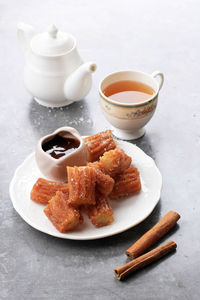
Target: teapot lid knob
point(52, 31)
point(53, 42)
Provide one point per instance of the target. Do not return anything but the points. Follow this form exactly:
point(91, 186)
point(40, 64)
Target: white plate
point(127, 212)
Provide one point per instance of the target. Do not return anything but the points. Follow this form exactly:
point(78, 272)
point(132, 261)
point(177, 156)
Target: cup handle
point(161, 76)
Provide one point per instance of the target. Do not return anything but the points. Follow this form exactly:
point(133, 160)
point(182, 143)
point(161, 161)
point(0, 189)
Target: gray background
point(143, 35)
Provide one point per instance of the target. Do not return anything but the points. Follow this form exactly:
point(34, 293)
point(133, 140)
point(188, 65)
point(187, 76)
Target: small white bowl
point(128, 120)
point(55, 169)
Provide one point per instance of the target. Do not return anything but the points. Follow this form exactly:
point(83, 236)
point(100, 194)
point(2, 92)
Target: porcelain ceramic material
point(55, 169)
point(54, 73)
point(128, 120)
point(127, 212)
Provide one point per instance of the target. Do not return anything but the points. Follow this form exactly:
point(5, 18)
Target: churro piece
point(99, 143)
point(104, 183)
point(114, 162)
point(100, 214)
point(96, 165)
point(81, 182)
point(63, 216)
point(43, 190)
point(127, 183)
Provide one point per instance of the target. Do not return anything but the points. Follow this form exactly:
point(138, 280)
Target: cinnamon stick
point(144, 260)
point(153, 235)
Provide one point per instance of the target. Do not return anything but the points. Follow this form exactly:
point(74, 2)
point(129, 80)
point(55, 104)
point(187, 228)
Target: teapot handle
point(25, 33)
point(159, 74)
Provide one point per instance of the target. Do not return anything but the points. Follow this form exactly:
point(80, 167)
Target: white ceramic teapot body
point(54, 73)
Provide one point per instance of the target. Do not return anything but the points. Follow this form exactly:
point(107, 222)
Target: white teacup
point(128, 120)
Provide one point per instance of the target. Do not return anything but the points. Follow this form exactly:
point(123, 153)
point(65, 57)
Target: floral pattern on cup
point(129, 113)
point(107, 107)
point(141, 112)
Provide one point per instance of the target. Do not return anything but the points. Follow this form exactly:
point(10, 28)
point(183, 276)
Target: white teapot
point(54, 74)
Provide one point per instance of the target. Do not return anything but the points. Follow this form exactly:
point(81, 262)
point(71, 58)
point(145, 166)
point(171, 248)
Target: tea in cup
point(128, 100)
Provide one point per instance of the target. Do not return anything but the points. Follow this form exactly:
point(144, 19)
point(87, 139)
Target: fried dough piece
point(81, 182)
point(97, 166)
point(100, 214)
point(43, 190)
point(127, 183)
point(99, 143)
point(114, 162)
point(104, 183)
point(63, 216)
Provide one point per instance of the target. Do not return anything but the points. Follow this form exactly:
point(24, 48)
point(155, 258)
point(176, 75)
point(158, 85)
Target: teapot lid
point(52, 42)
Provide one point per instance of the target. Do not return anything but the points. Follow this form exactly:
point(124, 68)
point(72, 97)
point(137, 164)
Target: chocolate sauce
point(60, 146)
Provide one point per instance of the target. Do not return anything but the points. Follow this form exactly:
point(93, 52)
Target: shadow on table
point(145, 144)
point(140, 273)
point(119, 242)
point(45, 120)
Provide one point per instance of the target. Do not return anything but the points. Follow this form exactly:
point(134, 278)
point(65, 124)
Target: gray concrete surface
point(143, 35)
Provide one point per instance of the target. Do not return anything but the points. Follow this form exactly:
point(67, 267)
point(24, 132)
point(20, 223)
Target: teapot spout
point(79, 83)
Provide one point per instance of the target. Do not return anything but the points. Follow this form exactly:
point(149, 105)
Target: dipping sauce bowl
point(54, 152)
